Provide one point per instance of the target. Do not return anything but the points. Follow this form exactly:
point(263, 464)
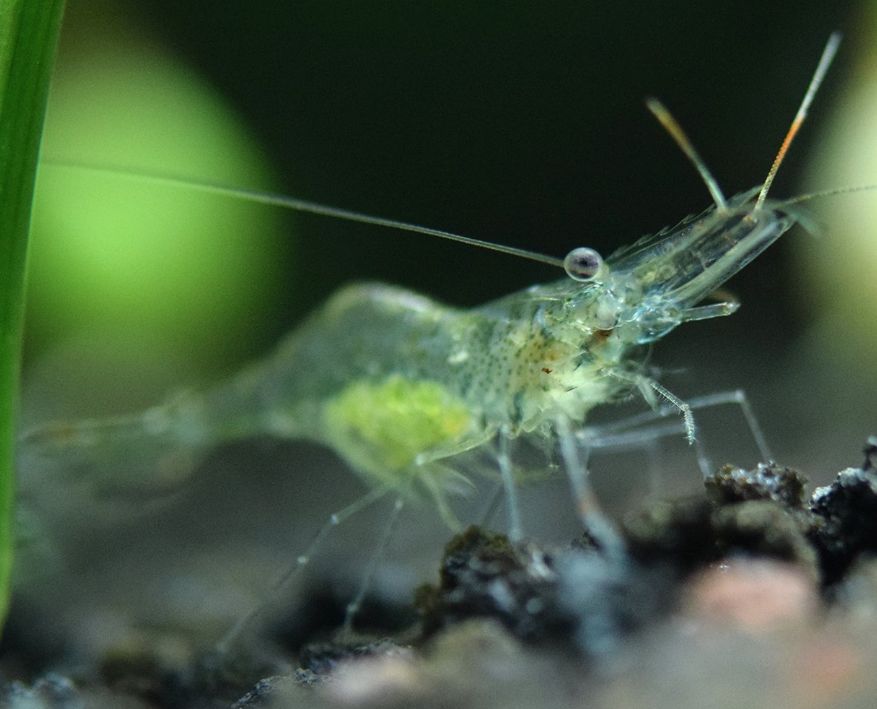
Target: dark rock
point(483, 575)
point(845, 520)
point(322, 658)
point(758, 512)
point(768, 481)
point(678, 533)
point(571, 597)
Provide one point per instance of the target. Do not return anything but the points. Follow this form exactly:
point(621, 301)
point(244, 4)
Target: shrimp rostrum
point(398, 385)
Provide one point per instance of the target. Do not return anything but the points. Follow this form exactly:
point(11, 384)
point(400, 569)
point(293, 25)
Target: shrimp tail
point(135, 458)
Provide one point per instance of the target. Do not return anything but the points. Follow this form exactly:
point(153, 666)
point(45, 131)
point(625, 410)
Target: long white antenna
point(299, 205)
point(821, 70)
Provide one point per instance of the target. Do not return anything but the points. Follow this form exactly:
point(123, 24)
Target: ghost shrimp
point(399, 385)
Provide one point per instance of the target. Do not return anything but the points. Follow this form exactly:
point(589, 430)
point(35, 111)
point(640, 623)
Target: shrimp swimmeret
point(398, 384)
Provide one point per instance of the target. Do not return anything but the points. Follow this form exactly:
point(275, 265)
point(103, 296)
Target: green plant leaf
point(28, 38)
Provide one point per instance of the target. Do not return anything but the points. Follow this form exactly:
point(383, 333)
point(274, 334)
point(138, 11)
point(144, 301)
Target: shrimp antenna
point(671, 125)
point(821, 70)
point(827, 193)
point(299, 205)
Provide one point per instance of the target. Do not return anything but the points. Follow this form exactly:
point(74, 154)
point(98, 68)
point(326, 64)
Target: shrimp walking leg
point(302, 560)
point(650, 391)
point(644, 440)
point(588, 509)
point(738, 397)
point(504, 460)
point(627, 431)
point(493, 500)
point(681, 406)
point(435, 478)
point(387, 534)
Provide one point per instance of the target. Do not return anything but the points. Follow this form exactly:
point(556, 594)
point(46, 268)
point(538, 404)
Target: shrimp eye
point(582, 264)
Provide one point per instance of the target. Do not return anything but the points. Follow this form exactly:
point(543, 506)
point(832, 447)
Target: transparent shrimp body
point(393, 381)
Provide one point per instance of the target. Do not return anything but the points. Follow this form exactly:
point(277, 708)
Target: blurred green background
point(517, 122)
